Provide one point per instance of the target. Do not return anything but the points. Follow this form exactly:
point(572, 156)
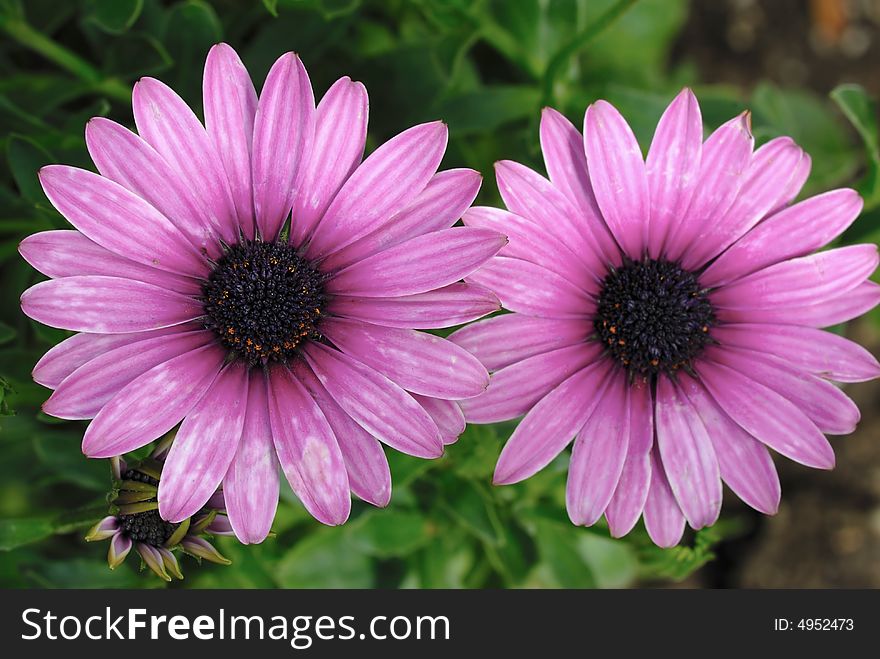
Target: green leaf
point(271, 6)
point(26, 157)
point(557, 546)
point(486, 109)
point(861, 110)
point(325, 559)
point(18, 532)
point(137, 55)
point(473, 508)
point(115, 16)
point(191, 28)
point(389, 533)
point(7, 333)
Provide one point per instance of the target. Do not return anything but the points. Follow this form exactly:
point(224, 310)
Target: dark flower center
point(263, 300)
point(653, 316)
point(147, 527)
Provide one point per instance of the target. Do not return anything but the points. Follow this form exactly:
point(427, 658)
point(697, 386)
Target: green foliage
point(484, 66)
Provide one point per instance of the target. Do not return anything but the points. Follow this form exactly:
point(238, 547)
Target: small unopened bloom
point(134, 522)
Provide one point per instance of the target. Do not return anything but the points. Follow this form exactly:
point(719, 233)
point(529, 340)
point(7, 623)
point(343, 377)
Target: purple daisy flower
point(666, 317)
point(273, 342)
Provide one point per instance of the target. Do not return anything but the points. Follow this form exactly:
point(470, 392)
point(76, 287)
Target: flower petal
point(421, 264)
point(763, 184)
point(598, 455)
point(340, 136)
point(617, 173)
point(381, 407)
point(368, 473)
point(503, 340)
point(767, 416)
point(744, 463)
point(443, 307)
point(795, 231)
point(120, 546)
point(551, 424)
point(725, 159)
point(663, 518)
point(446, 414)
point(514, 389)
point(629, 497)
point(204, 446)
point(532, 289)
point(824, 404)
point(284, 131)
point(84, 392)
point(230, 102)
point(251, 484)
point(153, 403)
point(417, 361)
point(167, 123)
point(119, 220)
point(440, 205)
point(529, 241)
point(307, 449)
point(391, 177)
point(67, 356)
point(122, 156)
point(822, 353)
point(805, 280)
point(66, 253)
point(688, 456)
point(106, 305)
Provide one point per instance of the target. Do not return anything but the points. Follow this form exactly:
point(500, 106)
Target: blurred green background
point(805, 69)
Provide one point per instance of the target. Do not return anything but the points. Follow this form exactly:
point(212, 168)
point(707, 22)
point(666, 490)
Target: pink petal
point(440, 205)
point(119, 220)
point(368, 473)
point(204, 446)
point(392, 176)
point(284, 130)
point(818, 313)
point(744, 463)
point(503, 340)
point(795, 183)
point(533, 197)
point(421, 264)
point(551, 424)
point(688, 456)
point(530, 242)
point(514, 389)
point(629, 497)
point(771, 168)
point(230, 102)
point(824, 404)
point(83, 393)
point(153, 403)
point(69, 254)
point(381, 407)
point(446, 414)
point(617, 172)
point(251, 484)
point(673, 166)
point(795, 231)
point(563, 147)
point(416, 361)
point(663, 518)
point(598, 455)
point(106, 305)
point(340, 135)
point(532, 289)
point(165, 121)
point(822, 353)
point(120, 546)
point(121, 156)
point(805, 280)
point(443, 307)
point(67, 356)
point(767, 416)
point(725, 159)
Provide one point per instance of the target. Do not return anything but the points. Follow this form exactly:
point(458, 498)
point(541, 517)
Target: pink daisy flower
point(272, 343)
point(666, 317)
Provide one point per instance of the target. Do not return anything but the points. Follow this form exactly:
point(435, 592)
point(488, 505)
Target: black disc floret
point(264, 301)
point(147, 527)
point(653, 316)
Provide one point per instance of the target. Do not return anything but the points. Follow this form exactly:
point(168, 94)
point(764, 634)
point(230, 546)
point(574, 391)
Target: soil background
point(827, 531)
